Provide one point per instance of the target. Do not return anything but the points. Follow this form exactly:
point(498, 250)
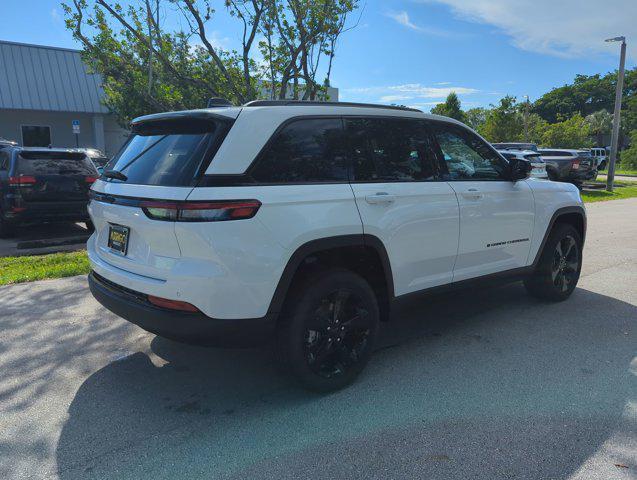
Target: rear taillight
point(90, 179)
point(22, 180)
point(201, 211)
point(575, 165)
point(172, 304)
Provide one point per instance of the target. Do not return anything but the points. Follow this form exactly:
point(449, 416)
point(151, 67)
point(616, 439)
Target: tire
point(323, 350)
point(89, 226)
point(558, 270)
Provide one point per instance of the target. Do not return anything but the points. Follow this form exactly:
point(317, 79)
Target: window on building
point(36, 136)
point(390, 150)
point(307, 150)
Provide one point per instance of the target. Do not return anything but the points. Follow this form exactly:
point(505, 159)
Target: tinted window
point(390, 150)
point(162, 159)
point(306, 150)
point(466, 156)
point(54, 163)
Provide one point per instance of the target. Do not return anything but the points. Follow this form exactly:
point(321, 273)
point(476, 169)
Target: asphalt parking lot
point(44, 238)
point(480, 384)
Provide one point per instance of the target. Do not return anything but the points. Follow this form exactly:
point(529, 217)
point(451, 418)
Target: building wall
point(109, 139)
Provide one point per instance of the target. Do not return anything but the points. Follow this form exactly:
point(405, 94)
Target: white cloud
point(394, 98)
point(566, 28)
point(418, 90)
point(414, 93)
point(402, 18)
point(55, 15)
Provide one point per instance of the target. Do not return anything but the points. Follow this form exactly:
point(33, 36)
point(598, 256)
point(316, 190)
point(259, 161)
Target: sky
point(414, 52)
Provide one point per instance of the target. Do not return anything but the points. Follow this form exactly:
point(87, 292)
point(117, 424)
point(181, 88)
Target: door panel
point(496, 214)
point(496, 224)
point(395, 176)
point(419, 227)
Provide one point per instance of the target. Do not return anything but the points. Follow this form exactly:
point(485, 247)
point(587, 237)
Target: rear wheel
point(559, 267)
point(329, 330)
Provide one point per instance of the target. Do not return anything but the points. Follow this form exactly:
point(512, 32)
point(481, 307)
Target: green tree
point(475, 117)
point(573, 132)
point(629, 156)
point(157, 55)
point(451, 108)
point(600, 124)
point(588, 94)
point(503, 122)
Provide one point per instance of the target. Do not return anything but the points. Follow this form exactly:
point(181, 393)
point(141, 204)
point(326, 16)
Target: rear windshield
point(54, 163)
point(166, 156)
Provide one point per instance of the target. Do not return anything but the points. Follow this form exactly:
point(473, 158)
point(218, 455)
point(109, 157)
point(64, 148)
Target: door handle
point(380, 197)
point(472, 194)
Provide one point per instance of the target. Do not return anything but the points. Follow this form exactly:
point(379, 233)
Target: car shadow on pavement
point(479, 384)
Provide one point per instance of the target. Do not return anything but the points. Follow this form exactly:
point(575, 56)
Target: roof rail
point(289, 103)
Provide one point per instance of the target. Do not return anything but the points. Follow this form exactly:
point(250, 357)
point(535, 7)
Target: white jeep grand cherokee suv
point(305, 222)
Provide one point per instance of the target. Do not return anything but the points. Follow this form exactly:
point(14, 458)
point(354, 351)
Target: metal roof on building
point(34, 77)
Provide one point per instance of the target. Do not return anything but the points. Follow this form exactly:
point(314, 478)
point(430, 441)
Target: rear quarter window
point(303, 151)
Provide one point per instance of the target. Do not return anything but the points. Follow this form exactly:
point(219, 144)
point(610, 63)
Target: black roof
point(304, 103)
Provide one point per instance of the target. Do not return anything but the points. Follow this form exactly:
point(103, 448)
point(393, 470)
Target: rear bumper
point(191, 328)
point(47, 212)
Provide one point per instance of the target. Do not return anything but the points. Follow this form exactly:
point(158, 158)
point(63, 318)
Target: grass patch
point(39, 267)
point(621, 171)
point(620, 190)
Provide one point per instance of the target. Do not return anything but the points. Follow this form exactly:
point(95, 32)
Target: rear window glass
point(166, 155)
point(54, 163)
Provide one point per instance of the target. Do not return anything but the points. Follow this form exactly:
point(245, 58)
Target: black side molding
point(558, 213)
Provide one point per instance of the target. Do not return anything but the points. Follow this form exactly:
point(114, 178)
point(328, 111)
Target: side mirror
point(520, 169)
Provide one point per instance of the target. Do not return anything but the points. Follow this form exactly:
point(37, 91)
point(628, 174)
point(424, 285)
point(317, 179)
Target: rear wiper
point(114, 174)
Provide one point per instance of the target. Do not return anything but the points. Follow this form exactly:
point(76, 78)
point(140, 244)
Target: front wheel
point(558, 270)
point(328, 332)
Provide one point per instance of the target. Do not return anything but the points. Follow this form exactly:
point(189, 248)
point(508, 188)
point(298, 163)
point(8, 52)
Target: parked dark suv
point(565, 165)
point(42, 185)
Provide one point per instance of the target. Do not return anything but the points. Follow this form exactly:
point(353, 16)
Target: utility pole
point(614, 143)
point(526, 119)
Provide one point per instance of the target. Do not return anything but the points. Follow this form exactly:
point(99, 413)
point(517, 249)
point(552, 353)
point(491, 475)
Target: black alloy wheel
point(337, 334)
point(328, 329)
point(565, 263)
point(558, 269)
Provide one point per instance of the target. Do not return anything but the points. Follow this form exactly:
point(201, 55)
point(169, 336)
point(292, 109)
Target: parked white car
point(307, 222)
point(600, 155)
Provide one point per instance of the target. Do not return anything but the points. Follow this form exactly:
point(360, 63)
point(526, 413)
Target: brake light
point(90, 179)
point(172, 304)
point(575, 165)
point(218, 211)
point(22, 180)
